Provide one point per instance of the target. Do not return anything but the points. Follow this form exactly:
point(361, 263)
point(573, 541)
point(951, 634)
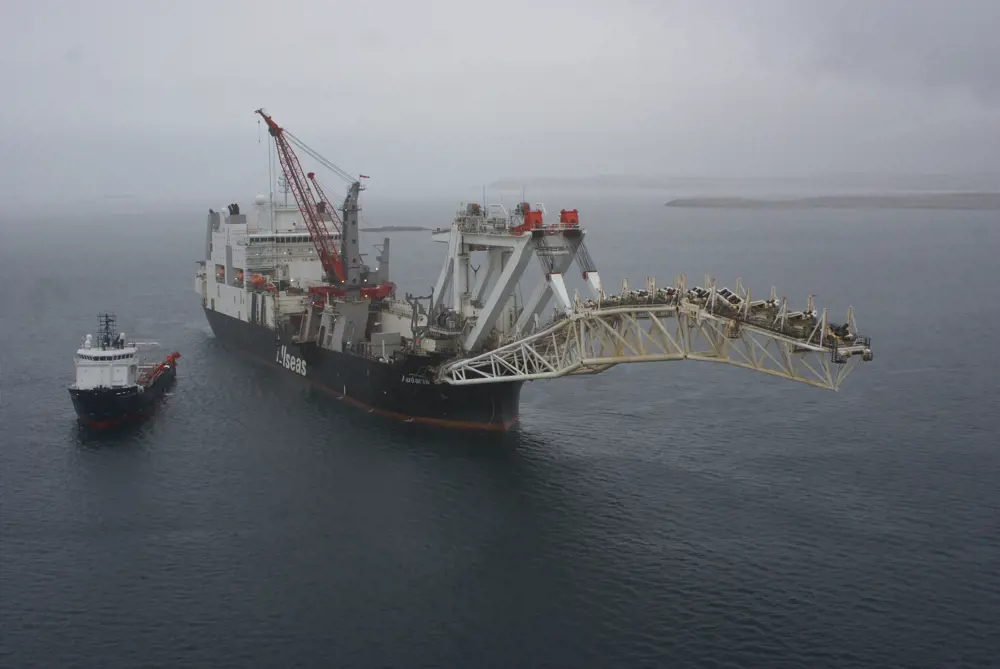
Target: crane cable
point(326, 163)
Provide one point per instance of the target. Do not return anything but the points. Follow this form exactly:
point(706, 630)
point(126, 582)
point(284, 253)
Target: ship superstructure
point(289, 284)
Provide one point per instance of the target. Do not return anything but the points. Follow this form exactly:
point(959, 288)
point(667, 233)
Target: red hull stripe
point(111, 422)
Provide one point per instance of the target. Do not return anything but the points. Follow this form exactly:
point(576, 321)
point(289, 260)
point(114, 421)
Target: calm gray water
point(657, 515)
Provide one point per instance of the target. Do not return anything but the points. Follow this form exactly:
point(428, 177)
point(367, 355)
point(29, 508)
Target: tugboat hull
point(107, 407)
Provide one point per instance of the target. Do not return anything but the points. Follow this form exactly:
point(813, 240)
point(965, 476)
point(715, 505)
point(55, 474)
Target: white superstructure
point(241, 253)
point(105, 364)
point(245, 256)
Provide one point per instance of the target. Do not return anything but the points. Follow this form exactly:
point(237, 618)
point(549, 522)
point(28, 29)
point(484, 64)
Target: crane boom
point(327, 205)
point(306, 201)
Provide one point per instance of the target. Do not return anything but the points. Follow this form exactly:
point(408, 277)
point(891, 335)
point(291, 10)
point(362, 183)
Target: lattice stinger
point(676, 323)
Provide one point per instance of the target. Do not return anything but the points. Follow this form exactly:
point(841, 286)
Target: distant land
point(396, 228)
point(610, 181)
point(974, 201)
point(819, 184)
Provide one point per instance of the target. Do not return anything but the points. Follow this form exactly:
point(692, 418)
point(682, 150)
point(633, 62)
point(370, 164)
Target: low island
point(974, 201)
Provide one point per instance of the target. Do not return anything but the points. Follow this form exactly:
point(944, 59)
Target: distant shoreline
point(971, 201)
point(396, 228)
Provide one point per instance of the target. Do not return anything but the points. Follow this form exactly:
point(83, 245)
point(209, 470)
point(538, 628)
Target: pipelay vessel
point(289, 286)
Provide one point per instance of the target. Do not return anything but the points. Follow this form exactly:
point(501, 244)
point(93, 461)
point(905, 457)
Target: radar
point(260, 200)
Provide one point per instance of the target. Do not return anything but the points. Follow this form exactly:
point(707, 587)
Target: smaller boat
point(113, 386)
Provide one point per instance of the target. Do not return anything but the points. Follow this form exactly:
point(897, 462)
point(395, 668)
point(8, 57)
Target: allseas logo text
point(290, 361)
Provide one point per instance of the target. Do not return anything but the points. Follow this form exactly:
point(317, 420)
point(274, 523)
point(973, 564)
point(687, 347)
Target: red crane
point(325, 203)
point(304, 198)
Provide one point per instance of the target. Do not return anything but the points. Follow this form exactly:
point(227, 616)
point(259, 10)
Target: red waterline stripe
point(110, 422)
point(437, 422)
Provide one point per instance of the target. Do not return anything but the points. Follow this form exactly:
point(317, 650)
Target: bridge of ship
point(653, 324)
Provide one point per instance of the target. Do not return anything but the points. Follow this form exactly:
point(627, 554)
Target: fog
point(154, 102)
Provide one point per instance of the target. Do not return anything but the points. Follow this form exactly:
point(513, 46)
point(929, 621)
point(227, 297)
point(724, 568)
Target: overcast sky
point(156, 99)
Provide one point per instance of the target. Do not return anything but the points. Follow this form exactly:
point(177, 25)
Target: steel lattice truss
point(593, 339)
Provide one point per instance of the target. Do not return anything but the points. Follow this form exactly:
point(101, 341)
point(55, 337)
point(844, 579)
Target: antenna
point(106, 330)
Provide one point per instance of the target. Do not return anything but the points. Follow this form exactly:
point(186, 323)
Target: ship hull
point(400, 390)
point(101, 408)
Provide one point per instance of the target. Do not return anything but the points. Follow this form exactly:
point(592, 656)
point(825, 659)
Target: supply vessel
point(113, 385)
point(289, 284)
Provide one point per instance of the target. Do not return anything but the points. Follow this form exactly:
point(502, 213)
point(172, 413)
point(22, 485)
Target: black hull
point(108, 407)
point(401, 390)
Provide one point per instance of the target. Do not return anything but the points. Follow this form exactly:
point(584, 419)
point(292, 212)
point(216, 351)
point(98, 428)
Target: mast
point(105, 331)
point(351, 248)
point(270, 183)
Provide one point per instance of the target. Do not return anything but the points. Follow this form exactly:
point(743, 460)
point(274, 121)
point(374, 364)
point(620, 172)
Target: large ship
point(113, 385)
point(288, 284)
